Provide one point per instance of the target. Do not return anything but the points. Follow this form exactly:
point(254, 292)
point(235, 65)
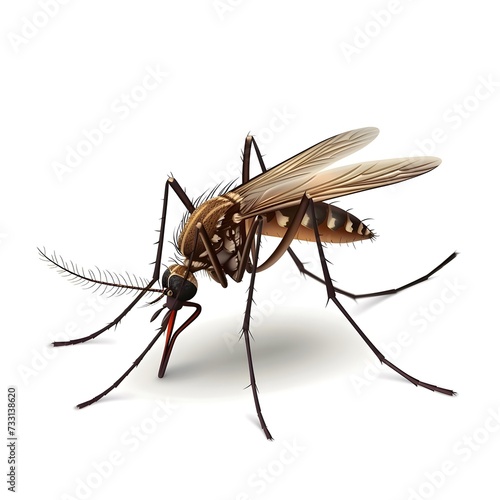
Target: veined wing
point(288, 190)
point(311, 160)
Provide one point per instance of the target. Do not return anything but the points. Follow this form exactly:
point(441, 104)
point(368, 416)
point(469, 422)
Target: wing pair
point(285, 184)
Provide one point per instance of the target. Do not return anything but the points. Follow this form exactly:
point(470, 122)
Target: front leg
point(171, 183)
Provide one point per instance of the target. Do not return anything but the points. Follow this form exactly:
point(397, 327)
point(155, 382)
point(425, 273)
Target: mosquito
point(221, 236)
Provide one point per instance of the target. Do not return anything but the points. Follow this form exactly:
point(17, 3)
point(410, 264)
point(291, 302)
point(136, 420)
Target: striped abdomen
point(335, 225)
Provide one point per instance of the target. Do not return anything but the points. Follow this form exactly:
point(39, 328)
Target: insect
point(222, 236)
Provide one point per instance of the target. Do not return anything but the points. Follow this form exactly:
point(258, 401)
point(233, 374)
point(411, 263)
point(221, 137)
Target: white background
point(293, 73)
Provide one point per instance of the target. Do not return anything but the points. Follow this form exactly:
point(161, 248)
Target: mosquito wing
point(312, 159)
point(284, 185)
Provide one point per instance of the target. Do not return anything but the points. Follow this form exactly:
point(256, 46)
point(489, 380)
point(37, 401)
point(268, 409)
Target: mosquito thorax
point(175, 280)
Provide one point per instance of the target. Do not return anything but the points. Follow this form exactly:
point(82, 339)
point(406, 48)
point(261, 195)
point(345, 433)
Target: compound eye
point(164, 279)
point(182, 289)
point(178, 287)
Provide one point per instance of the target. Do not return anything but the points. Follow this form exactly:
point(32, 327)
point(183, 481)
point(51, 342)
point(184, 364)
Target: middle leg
point(246, 334)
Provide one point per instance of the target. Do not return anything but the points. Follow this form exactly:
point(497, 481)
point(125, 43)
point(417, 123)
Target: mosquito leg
point(245, 177)
point(331, 295)
point(390, 291)
point(247, 243)
point(219, 271)
point(171, 182)
point(245, 174)
point(107, 327)
point(245, 251)
point(289, 235)
point(180, 193)
point(134, 364)
point(246, 334)
point(170, 344)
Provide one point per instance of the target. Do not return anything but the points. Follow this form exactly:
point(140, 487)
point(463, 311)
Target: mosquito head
point(178, 284)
